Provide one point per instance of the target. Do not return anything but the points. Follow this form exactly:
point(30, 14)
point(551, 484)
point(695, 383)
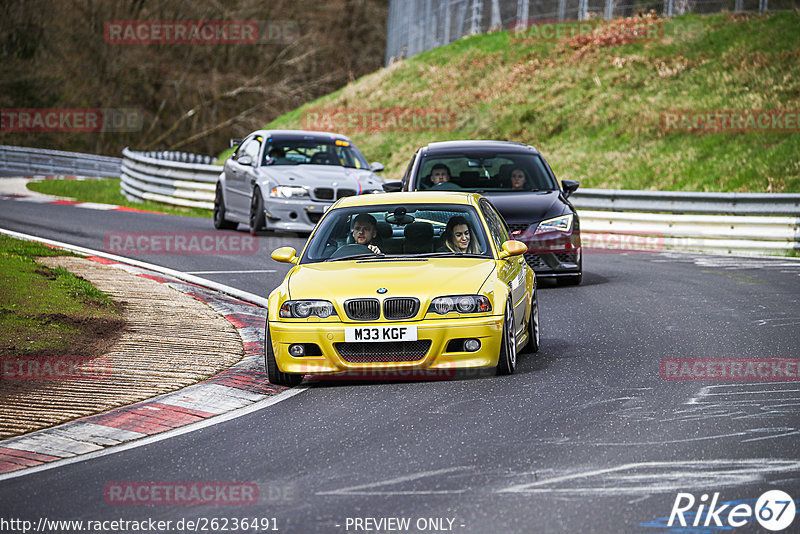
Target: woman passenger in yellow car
point(458, 237)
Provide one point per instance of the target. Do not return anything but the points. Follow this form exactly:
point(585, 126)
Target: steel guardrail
point(687, 202)
point(169, 177)
point(741, 223)
point(36, 161)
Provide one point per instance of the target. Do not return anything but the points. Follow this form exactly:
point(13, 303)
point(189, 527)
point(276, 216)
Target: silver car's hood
point(359, 180)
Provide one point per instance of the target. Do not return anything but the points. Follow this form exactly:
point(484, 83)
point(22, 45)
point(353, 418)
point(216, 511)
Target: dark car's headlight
point(460, 304)
point(288, 191)
point(300, 309)
point(556, 224)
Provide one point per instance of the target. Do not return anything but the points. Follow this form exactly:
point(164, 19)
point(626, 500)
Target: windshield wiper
point(357, 257)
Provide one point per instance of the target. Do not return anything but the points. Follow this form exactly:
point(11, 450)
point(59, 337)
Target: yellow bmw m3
point(402, 282)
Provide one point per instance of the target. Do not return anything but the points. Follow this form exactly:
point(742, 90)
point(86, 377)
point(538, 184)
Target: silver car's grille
point(363, 309)
point(387, 351)
point(323, 193)
point(329, 193)
point(400, 307)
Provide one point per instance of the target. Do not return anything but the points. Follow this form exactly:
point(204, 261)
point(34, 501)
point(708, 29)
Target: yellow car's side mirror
point(513, 248)
point(284, 255)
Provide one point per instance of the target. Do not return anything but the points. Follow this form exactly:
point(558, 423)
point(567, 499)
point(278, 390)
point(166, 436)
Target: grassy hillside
point(594, 108)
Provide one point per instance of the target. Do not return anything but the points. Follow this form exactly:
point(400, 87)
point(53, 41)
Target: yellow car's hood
point(422, 278)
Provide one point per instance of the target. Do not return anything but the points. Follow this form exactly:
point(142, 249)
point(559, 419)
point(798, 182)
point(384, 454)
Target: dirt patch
point(95, 336)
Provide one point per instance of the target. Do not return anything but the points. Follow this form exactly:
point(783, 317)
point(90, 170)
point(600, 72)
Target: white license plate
point(380, 333)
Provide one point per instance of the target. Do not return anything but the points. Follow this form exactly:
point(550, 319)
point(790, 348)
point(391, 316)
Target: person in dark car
point(519, 180)
point(440, 178)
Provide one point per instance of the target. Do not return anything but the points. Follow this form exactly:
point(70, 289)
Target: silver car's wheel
point(256, 212)
point(507, 362)
point(220, 222)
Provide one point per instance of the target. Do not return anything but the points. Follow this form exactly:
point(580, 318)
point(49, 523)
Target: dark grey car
point(520, 184)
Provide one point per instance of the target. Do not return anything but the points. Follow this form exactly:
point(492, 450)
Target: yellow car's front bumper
point(487, 329)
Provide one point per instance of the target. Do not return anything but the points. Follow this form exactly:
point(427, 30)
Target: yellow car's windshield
point(418, 230)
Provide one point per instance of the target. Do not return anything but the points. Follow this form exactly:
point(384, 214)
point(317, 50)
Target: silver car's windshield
point(484, 173)
point(334, 152)
point(409, 230)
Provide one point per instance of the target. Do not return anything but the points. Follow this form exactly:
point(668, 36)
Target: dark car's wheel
point(533, 327)
point(256, 212)
point(220, 222)
point(507, 361)
point(275, 375)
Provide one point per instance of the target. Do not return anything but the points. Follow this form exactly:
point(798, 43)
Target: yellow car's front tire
point(507, 362)
point(275, 375)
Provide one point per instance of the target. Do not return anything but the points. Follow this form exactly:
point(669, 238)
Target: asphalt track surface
point(586, 437)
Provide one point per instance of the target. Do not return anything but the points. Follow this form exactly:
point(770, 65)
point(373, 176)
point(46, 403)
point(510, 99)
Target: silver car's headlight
point(289, 191)
point(460, 304)
point(556, 224)
point(300, 309)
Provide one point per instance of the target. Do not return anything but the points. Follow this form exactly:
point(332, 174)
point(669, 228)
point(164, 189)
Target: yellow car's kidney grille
point(386, 351)
point(363, 309)
point(400, 307)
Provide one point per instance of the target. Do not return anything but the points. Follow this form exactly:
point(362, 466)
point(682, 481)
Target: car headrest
point(384, 230)
point(418, 231)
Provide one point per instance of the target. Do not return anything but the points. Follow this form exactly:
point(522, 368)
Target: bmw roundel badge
point(382, 290)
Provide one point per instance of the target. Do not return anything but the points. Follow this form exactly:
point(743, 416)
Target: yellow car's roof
point(412, 197)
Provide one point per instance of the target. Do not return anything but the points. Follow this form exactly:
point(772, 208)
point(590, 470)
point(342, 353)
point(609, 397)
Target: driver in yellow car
point(365, 230)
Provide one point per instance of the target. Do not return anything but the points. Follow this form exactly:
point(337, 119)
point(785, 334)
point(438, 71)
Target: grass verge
point(107, 191)
point(594, 107)
point(49, 312)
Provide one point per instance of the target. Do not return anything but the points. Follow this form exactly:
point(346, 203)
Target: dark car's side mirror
point(392, 187)
point(376, 167)
point(245, 160)
point(570, 186)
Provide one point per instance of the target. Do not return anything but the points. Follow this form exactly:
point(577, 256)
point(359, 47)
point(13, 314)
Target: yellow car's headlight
point(460, 304)
point(556, 224)
point(300, 309)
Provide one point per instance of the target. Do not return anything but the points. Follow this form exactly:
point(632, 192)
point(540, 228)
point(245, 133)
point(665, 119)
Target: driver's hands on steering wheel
point(374, 249)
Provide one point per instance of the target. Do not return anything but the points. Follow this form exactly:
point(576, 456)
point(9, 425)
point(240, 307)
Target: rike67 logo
point(774, 510)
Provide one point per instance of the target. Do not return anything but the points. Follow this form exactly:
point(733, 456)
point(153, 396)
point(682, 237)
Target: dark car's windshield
point(484, 173)
point(335, 152)
point(409, 230)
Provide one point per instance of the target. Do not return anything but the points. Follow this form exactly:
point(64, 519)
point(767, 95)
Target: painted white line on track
point(199, 425)
point(233, 272)
point(242, 295)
